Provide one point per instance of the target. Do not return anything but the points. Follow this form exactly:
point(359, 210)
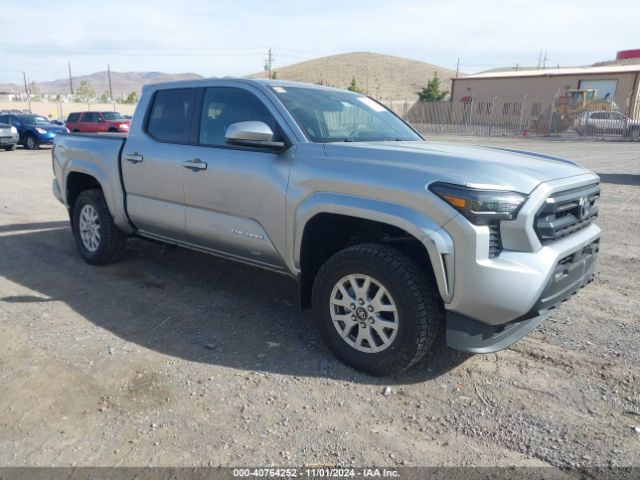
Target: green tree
point(105, 98)
point(353, 86)
point(132, 98)
point(85, 92)
point(432, 92)
point(274, 75)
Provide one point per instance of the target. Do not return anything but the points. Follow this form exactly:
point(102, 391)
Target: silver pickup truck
point(392, 239)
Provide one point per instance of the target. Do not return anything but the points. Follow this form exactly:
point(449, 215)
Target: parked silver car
point(9, 137)
point(591, 123)
point(392, 239)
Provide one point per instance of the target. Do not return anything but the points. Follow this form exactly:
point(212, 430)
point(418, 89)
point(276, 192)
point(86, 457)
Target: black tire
point(75, 130)
point(420, 310)
point(10, 148)
point(31, 142)
point(112, 240)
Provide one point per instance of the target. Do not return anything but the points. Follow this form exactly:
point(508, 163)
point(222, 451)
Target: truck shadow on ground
point(186, 304)
point(620, 178)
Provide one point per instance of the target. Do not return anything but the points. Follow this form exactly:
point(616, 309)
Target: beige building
point(524, 96)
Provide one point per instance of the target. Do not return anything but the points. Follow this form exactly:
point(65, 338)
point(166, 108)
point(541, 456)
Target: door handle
point(195, 165)
point(134, 157)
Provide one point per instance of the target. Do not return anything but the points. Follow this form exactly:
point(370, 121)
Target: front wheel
point(31, 143)
point(98, 239)
point(376, 309)
point(10, 148)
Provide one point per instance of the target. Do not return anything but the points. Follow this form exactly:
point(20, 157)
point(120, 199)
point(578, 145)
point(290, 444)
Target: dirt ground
point(174, 358)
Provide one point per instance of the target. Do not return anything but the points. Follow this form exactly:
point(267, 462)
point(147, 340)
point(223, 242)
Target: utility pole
point(457, 67)
point(109, 75)
point(539, 59)
point(544, 61)
point(70, 79)
point(269, 62)
point(26, 89)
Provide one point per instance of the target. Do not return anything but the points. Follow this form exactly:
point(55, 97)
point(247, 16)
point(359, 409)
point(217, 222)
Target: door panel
point(155, 197)
point(152, 166)
point(237, 204)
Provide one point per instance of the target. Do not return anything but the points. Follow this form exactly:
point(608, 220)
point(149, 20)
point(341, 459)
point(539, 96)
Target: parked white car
point(590, 123)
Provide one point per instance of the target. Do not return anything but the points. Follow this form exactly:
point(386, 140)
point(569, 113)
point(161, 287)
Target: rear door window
point(73, 117)
point(91, 117)
point(170, 115)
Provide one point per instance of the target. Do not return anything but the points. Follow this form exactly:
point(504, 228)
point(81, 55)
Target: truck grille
point(567, 212)
point(495, 240)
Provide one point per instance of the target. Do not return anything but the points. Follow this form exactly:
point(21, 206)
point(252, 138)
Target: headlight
point(40, 130)
point(124, 125)
point(480, 207)
point(14, 129)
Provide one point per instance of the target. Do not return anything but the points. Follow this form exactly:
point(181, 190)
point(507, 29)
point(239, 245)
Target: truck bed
point(96, 155)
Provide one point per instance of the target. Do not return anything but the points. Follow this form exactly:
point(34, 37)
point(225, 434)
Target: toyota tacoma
point(393, 239)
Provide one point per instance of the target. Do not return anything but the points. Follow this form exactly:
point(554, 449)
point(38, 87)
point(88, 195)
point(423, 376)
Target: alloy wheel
point(89, 224)
point(364, 313)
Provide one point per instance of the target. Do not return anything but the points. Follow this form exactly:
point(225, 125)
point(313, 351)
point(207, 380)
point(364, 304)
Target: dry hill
point(381, 76)
point(122, 82)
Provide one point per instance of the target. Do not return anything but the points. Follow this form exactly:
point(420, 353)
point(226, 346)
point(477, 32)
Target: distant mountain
point(381, 76)
point(122, 82)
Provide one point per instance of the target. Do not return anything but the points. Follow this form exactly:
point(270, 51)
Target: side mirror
point(252, 134)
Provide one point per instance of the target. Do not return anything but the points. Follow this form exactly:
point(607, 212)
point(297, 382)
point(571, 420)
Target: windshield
point(112, 116)
point(341, 116)
point(32, 119)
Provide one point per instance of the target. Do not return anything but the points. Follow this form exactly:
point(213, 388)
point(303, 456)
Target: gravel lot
point(174, 358)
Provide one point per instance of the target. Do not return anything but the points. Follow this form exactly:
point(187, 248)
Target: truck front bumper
point(571, 272)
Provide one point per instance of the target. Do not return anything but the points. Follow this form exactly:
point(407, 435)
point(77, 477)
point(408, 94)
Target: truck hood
point(478, 166)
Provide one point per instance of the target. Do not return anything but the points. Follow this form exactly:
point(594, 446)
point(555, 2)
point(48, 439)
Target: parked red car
point(94, 122)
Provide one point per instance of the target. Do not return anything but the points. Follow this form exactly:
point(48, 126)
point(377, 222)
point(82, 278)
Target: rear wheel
point(113, 130)
point(31, 143)
point(98, 239)
point(634, 134)
point(376, 309)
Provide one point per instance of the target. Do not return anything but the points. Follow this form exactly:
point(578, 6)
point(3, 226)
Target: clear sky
point(218, 38)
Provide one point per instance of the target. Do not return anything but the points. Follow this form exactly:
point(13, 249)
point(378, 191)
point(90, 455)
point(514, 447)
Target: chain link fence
point(570, 113)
